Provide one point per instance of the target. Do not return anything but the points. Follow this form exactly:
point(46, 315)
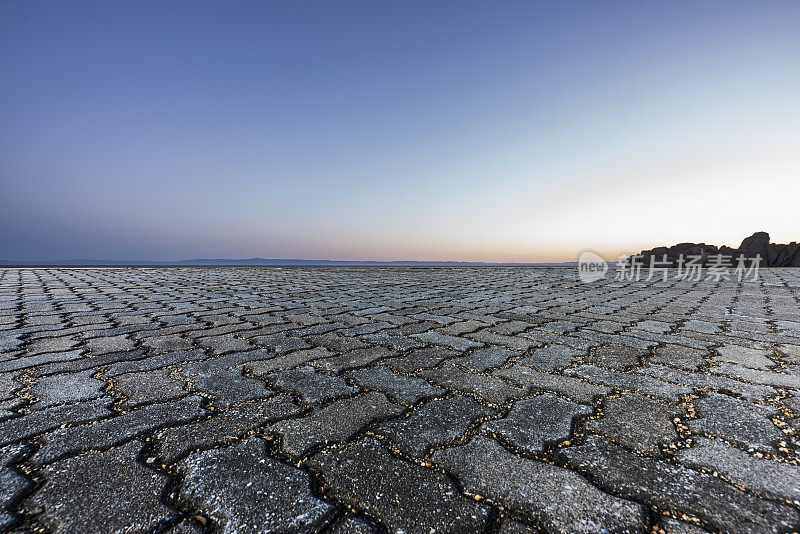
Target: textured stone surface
point(668, 487)
point(739, 421)
point(403, 496)
point(556, 498)
point(773, 479)
point(245, 491)
point(12, 483)
point(639, 423)
point(80, 496)
point(444, 400)
point(222, 428)
point(437, 422)
point(403, 389)
point(311, 386)
point(336, 422)
point(62, 389)
point(533, 423)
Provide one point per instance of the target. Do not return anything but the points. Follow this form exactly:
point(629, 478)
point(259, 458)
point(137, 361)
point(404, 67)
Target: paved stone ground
point(407, 400)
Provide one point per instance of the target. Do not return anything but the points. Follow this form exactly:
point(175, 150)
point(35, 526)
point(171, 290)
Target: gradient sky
point(495, 131)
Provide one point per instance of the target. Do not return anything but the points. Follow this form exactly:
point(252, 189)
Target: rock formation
point(772, 254)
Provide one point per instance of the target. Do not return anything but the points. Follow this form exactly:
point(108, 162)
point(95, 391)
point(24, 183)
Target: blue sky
point(497, 131)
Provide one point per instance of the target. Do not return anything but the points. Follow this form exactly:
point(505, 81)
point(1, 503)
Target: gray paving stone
point(79, 496)
point(313, 387)
point(686, 358)
point(61, 389)
point(402, 389)
point(416, 360)
point(574, 388)
point(534, 423)
point(263, 368)
point(400, 495)
point(722, 384)
point(352, 360)
point(222, 428)
point(154, 362)
point(738, 421)
point(147, 387)
point(111, 432)
point(616, 356)
point(40, 421)
point(280, 343)
point(769, 478)
point(13, 484)
point(102, 345)
point(245, 491)
point(767, 378)
point(485, 358)
point(557, 499)
point(437, 422)
point(639, 423)
point(39, 359)
point(453, 342)
point(744, 356)
point(336, 422)
point(515, 343)
point(665, 486)
point(552, 357)
point(171, 343)
point(637, 383)
point(491, 389)
point(229, 387)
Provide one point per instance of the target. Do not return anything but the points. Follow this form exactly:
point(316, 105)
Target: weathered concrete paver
point(245, 491)
point(775, 480)
point(556, 498)
point(402, 399)
point(405, 497)
point(640, 423)
point(716, 503)
point(533, 423)
point(437, 422)
point(80, 496)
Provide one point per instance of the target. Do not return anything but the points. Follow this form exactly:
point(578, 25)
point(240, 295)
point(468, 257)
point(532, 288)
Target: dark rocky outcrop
point(772, 254)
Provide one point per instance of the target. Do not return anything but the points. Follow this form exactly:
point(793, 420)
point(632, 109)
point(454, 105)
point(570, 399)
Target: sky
point(394, 130)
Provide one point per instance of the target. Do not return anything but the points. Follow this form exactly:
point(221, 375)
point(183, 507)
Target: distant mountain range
point(270, 262)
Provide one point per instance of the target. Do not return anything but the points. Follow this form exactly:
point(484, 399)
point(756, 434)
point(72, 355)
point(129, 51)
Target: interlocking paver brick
point(312, 386)
point(771, 478)
point(719, 505)
point(245, 491)
point(561, 501)
point(736, 420)
point(637, 422)
point(223, 427)
point(549, 403)
point(338, 421)
point(61, 389)
point(116, 430)
point(80, 496)
point(438, 421)
point(13, 484)
point(229, 387)
point(403, 389)
point(533, 423)
point(574, 388)
point(148, 386)
point(399, 494)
